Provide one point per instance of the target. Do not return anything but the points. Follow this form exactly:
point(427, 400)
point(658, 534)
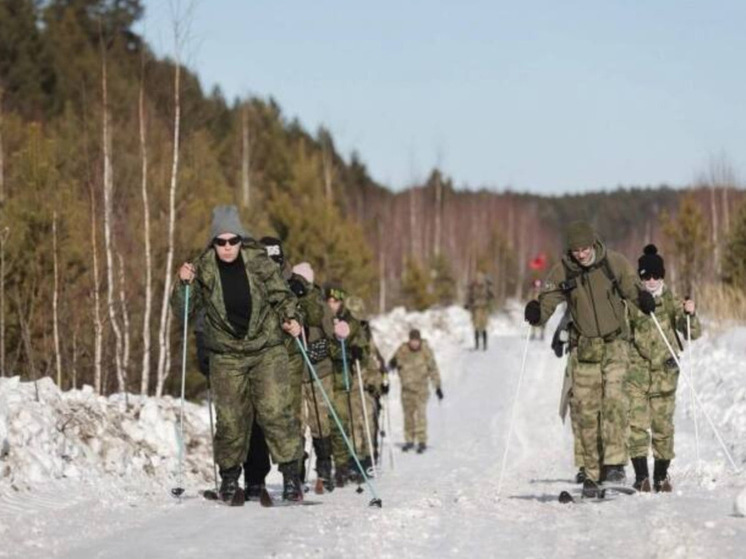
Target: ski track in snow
point(440, 504)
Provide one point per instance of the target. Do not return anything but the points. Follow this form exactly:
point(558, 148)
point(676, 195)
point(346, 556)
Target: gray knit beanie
point(225, 219)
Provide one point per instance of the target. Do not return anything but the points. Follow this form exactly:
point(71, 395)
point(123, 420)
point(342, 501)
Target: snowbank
point(47, 434)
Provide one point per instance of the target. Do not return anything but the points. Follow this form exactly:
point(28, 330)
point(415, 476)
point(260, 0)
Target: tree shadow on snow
point(558, 480)
point(544, 498)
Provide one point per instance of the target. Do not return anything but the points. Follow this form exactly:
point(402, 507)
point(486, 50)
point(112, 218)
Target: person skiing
point(417, 368)
point(595, 282)
point(247, 307)
point(319, 326)
point(653, 374)
point(479, 303)
point(347, 345)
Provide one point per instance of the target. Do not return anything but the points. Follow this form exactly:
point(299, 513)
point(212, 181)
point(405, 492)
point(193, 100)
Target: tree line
point(111, 158)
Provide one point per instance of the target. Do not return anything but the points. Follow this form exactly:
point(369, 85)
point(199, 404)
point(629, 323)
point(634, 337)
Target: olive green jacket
point(272, 302)
point(595, 302)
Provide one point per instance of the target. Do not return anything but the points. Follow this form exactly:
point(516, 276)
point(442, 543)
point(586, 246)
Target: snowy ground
point(81, 477)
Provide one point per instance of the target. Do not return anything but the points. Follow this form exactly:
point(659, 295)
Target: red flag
point(539, 262)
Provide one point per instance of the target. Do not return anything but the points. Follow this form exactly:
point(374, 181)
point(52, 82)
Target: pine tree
point(734, 257)
point(687, 233)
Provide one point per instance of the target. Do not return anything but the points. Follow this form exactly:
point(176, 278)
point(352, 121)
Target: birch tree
point(148, 287)
point(55, 302)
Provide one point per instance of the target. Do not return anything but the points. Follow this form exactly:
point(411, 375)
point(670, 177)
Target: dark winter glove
point(385, 389)
point(532, 314)
point(558, 346)
point(356, 353)
point(393, 364)
point(439, 393)
point(646, 301)
point(297, 287)
point(203, 357)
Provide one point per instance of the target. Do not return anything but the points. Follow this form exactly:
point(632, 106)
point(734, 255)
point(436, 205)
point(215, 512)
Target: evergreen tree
point(734, 258)
point(687, 234)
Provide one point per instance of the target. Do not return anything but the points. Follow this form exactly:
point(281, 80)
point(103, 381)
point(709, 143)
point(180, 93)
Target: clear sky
point(548, 96)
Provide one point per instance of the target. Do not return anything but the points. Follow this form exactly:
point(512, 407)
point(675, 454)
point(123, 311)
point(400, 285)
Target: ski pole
point(376, 501)
point(387, 411)
point(365, 417)
point(178, 491)
point(512, 412)
point(349, 398)
point(694, 393)
point(212, 434)
point(691, 390)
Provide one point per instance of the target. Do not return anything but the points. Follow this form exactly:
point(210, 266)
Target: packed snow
point(85, 476)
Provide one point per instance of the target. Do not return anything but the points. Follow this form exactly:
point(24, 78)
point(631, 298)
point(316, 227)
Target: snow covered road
point(440, 504)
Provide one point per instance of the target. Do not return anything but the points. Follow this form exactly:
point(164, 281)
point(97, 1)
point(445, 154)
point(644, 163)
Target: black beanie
point(650, 264)
point(274, 249)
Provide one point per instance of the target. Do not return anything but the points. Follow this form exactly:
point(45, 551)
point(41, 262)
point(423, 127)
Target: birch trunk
point(55, 303)
point(98, 325)
point(125, 319)
point(245, 157)
point(163, 338)
point(108, 244)
point(148, 311)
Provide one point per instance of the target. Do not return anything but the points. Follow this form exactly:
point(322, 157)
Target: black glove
point(532, 314)
point(439, 393)
point(393, 364)
point(356, 353)
point(384, 389)
point(646, 301)
point(318, 350)
point(296, 286)
point(558, 346)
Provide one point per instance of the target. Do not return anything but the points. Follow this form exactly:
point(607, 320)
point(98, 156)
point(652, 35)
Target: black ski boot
point(614, 474)
point(484, 340)
point(422, 447)
point(661, 481)
point(476, 340)
point(407, 447)
point(354, 475)
point(253, 491)
point(230, 491)
point(642, 477)
point(341, 475)
point(367, 465)
point(591, 490)
point(292, 489)
point(580, 476)
point(323, 448)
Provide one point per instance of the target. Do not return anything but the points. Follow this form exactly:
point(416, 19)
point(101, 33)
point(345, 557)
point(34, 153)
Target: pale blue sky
point(548, 96)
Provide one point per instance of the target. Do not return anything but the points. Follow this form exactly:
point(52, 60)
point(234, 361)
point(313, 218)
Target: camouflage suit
point(479, 303)
point(249, 374)
point(417, 368)
point(653, 376)
point(599, 348)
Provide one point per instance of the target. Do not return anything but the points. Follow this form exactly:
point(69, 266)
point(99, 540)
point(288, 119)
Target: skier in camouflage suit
point(247, 307)
point(653, 374)
point(319, 327)
point(595, 281)
point(480, 303)
point(417, 369)
point(347, 345)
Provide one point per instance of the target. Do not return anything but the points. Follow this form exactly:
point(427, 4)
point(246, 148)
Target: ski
point(566, 497)
point(266, 500)
point(238, 499)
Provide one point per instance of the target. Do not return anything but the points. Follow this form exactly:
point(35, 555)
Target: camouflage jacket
point(271, 302)
point(651, 349)
point(595, 300)
point(318, 324)
point(480, 295)
point(344, 379)
point(416, 368)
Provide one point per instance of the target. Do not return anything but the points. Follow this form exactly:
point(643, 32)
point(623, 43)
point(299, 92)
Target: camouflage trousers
point(652, 401)
point(315, 411)
point(296, 367)
point(479, 318)
point(359, 421)
point(414, 405)
point(598, 395)
point(339, 448)
point(254, 386)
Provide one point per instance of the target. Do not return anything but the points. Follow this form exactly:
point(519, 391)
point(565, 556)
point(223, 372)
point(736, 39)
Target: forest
point(111, 159)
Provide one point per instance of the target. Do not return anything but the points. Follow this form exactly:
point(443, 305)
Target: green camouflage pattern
point(597, 308)
point(480, 302)
point(598, 394)
point(253, 385)
point(417, 370)
point(653, 376)
point(320, 424)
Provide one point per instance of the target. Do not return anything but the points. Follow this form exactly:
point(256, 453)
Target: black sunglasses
point(233, 241)
point(650, 276)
